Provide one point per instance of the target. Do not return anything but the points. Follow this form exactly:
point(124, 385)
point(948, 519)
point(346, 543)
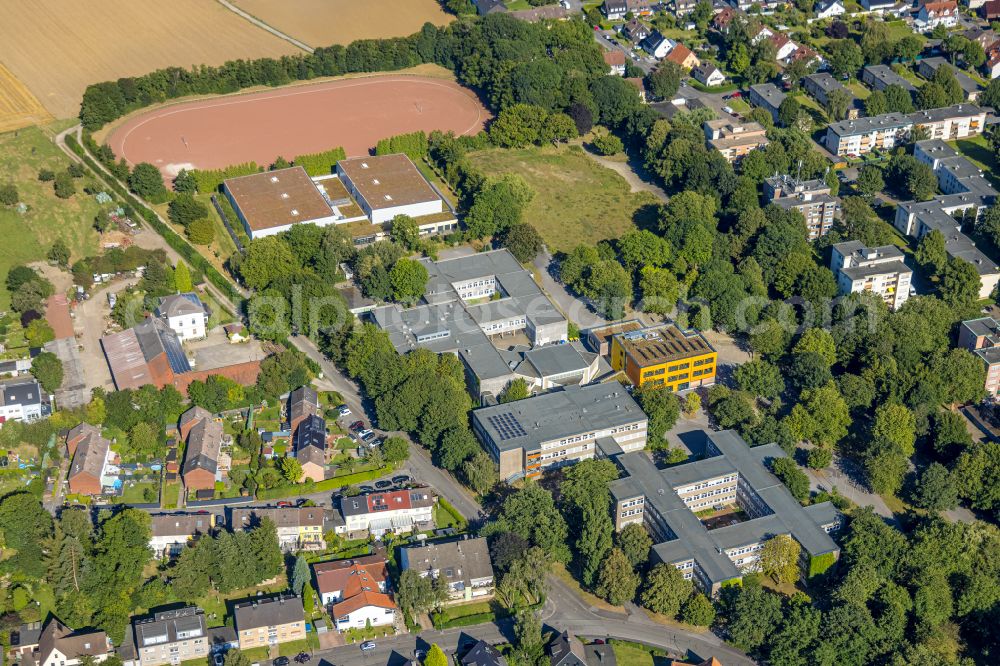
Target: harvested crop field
point(59, 47)
point(296, 120)
point(326, 22)
point(18, 107)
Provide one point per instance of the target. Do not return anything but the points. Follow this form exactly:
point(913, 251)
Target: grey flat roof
point(982, 326)
point(885, 121)
point(445, 324)
point(770, 94)
point(726, 451)
point(862, 272)
point(946, 112)
point(888, 77)
point(557, 414)
point(699, 470)
point(557, 359)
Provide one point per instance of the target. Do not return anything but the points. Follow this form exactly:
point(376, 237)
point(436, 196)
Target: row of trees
point(420, 393)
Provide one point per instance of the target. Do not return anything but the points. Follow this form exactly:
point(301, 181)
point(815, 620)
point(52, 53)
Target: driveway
point(573, 308)
point(91, 323)
point(845, 475)
point(419, 464)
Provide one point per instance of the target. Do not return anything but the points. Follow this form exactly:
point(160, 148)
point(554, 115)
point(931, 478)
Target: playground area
point(352, 113)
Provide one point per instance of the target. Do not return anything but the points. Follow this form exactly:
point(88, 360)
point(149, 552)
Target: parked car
point(402, 478)
point(364, 433)
point(344, 410)
point(357, 425)
point(283, 505)
point(367, 645)
point(370, 438)
point(366, 489)
point(302, 657)
point(382, 485)
point(280, 661)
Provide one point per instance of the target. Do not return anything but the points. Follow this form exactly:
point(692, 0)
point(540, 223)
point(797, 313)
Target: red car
point(357, 425)
point(284, 505)
point(735, 95)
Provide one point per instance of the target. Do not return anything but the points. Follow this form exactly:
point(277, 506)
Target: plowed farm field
point(326, 22)
point(58, 47)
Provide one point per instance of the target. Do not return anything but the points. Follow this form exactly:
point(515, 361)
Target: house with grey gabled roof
point(464, 565)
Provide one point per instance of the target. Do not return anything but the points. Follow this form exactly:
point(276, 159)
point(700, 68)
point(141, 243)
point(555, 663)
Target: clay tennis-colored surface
point(353, 113)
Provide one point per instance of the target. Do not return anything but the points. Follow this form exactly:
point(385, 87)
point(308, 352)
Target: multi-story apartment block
point(559, 428)
point(967, 193)
point(822, 84)
point(731, 474)
point(171, 637)
point(468, 302)
point(767, 95)
point(982, 337)
point(878, 270)
point(863, 135)
point(267, 622)
point(928, 67)
point(299, 528)
point(951, 122)
point(394, 511)
point(811, 198)
point(171, 532)
point(880, 77)
point(465, 566)
point(664, 356)
point(734, 140)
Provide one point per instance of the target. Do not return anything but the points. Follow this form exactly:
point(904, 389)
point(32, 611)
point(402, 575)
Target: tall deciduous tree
point(665, 590)
point(617, 581)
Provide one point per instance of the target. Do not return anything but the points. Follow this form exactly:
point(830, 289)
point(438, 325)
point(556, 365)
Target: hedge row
point(108, 100)
point(210, 180)
point(414, 145)
point(320, 164)
point(181, 246)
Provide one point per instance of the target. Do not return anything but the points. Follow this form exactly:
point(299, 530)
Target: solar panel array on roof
point(507, 425)
point(175, 354)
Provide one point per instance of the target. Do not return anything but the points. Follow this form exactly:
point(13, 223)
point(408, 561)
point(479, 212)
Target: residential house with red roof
point(615, 60)
point(683, 57)
point(931, 14)
point(357, 590)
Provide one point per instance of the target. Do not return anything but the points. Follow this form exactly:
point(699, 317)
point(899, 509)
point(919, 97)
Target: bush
point(413, 145)
point(46, 175)
point(608, 144)
point(819, 458)
point(320, 164)
point(63, 185)
point(8, 194)
point(147, 182)
point(211, 180)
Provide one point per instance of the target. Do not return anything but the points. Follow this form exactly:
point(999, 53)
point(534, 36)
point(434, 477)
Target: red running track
point(353, 113)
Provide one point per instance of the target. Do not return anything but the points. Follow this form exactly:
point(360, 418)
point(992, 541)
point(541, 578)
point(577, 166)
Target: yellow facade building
point(664, 356)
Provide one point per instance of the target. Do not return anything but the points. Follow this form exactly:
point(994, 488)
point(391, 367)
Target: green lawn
point(978, 150)
point(136, 494)
point(28, 237)
point(859, 89)
point(576, 200)
point(636, 654)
